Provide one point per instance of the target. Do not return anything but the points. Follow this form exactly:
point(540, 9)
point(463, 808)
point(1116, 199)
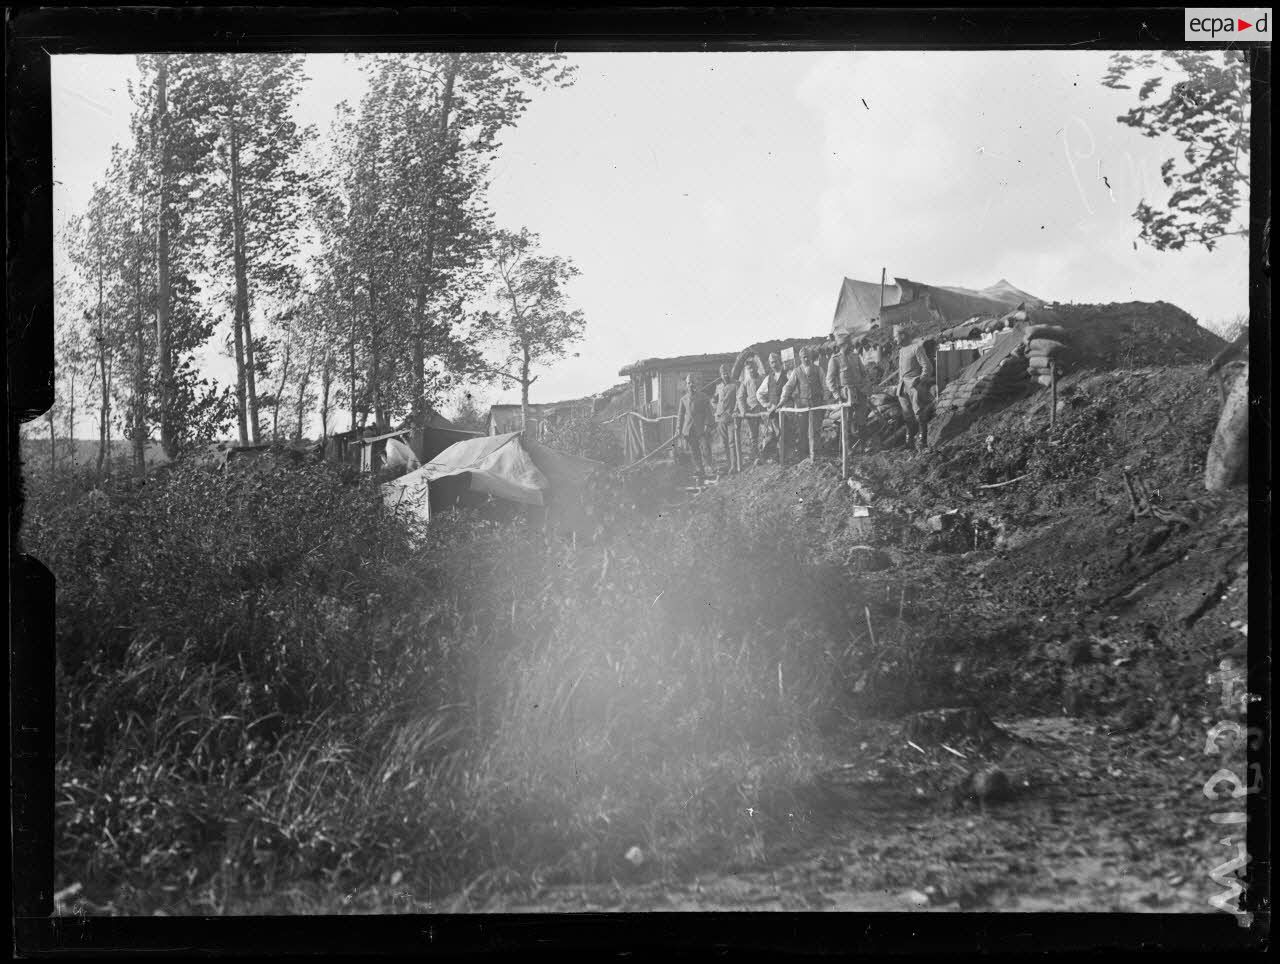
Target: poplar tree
point(249, 200)
point(535, 325)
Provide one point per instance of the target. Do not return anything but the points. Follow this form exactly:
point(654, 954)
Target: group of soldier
point(751, 399)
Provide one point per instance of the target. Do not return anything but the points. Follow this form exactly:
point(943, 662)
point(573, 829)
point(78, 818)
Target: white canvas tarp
point(399, 455)
point(505, 466)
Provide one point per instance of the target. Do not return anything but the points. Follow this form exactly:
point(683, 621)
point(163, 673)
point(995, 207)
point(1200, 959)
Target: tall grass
point(265, 683)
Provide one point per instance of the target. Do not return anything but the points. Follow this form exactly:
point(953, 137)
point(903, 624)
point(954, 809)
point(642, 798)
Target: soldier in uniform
point(804, 386)
point(915, 387)
point(769, 395)
point(726, 410)
point(694, 419)
point(847, 383)
point(749, 406)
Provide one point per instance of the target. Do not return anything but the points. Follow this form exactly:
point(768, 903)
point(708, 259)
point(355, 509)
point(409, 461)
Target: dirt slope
point(1084, 627)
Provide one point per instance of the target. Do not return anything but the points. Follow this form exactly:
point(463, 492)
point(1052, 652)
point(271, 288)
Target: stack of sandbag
point(1046, 349)
point(1003, 382)
point(997, 379)
point(884, 418)
point(886, 406)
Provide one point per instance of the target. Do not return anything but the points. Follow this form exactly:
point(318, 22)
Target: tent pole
point(1053, 400)
point(879, 318)
point(844, 446)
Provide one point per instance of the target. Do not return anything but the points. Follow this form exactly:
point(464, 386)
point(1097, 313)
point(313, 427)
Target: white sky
point(712, 200)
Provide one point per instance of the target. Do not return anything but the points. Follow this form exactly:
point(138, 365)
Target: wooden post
point(844, 445)
point(1053, 392)
point(782, 439)
point(880, 317)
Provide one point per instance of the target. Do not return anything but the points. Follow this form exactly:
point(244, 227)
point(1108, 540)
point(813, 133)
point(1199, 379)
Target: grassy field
point(72, 454)
point(271, 697)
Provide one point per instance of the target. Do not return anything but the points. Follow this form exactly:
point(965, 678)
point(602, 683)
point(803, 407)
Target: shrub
point(586, 438)
point(264, 680)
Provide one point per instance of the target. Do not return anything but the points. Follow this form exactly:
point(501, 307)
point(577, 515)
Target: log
point(1045, 346)
point(1056, 332)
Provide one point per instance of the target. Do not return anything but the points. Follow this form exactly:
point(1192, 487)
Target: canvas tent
point(508, 467)
point(858, 306)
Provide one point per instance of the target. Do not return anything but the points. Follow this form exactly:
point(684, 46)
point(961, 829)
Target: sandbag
point(1037, 365)
point(1045, 346)
point(1056, 332)
point(1228, 460)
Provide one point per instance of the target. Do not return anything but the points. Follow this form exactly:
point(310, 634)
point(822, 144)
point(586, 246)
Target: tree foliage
point(1201, 99)
point(338, 274)
point(535, 324)
point(403, 213)
point(587, 438)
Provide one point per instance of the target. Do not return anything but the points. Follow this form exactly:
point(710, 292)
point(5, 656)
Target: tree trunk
point(326, 384)
point(419, 351)
point(242, 418)
point(164, 360)
point(419, 344)
point(71, 411)
point(303, 381)
point(139, 378)
point(1228, 461)
point(240, 266)
point(351, 345)
point(524, 390)
point(275, 409)
point(104, 407)
point(375, 375)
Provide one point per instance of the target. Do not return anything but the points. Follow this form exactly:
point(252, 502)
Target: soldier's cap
point(842, 337)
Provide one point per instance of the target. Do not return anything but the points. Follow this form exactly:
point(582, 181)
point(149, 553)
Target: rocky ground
point(1097, 821)
point(1074, 584)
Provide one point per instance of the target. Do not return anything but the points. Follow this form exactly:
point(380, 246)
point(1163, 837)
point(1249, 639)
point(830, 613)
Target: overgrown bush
point(586, 438)
point(266, 682)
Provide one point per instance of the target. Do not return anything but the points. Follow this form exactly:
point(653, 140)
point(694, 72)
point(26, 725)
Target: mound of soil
point(1015, 545)
point(1130, 334)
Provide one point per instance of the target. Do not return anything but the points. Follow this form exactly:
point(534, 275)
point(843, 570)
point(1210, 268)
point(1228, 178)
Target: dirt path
point(1101, 822)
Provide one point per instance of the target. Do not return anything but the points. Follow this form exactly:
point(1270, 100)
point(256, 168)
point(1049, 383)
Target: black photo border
point(33, 34)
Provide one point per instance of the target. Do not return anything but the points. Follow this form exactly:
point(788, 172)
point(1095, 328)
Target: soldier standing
point(726, 408)
point(769, 395)
point(749, 407)
point(805, 386)
point(847, 383)
point(694, 418)
point(915, 387)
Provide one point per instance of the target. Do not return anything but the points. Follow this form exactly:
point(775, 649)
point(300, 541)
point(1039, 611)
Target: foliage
point(587, 438)
point(266, 682)
point(536, 324)
point(1205, 107)
point(469, 415)
point(404, 221)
